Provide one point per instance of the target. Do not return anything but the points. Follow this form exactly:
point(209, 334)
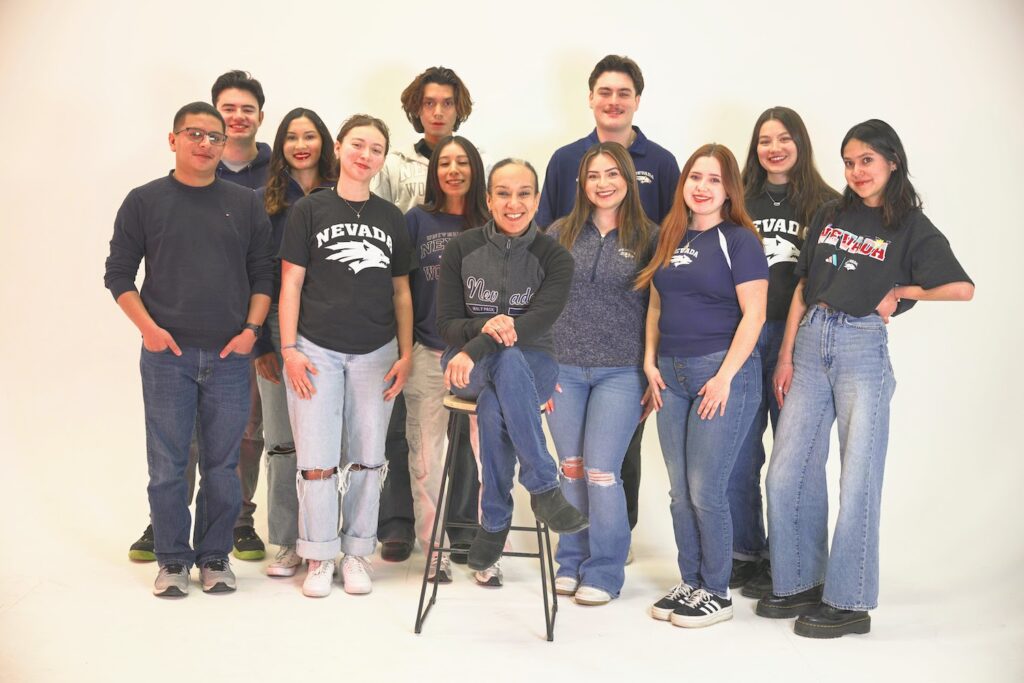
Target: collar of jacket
point(499, 239)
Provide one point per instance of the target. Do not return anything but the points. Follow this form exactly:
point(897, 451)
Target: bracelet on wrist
point(286, 347)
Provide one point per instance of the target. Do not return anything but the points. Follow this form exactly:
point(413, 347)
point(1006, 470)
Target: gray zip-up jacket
point(485, 273)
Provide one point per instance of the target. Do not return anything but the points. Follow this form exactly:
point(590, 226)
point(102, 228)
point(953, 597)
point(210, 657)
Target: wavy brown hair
point(278, 176)
point(676, 223)
point(807, 190)
point(475, 212)
point(634, 227)
point(412, 96)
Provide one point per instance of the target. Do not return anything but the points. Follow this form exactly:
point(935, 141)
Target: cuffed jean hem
point(318, 550)
point(362, 547)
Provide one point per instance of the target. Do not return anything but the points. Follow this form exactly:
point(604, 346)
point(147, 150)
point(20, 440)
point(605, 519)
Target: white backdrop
point(88, 90)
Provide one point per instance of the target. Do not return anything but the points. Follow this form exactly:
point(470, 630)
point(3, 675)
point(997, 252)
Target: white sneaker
point(318, 579)
point(588, 595)
point(444, 575)
point(566, 585)
point(490, 577)
point(286, 563)
point(355, 575)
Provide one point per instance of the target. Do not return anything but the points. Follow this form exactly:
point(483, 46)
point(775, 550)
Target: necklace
point(695, 237)
point(358, 213)
point(776, 203)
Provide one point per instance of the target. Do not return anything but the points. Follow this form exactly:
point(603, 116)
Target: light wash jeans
point(282, 501)
point(196, 392)
point(749, 541)
point(509, 386)
point(699, 455)
point(348, 406)
point(592, 423)
point(841, 372)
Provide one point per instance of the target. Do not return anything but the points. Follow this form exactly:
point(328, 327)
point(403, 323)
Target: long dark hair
point(634, 226)
point(277, 178)
point(475, 212)
point(899, 197)
point(674, 227)
point(807, 190)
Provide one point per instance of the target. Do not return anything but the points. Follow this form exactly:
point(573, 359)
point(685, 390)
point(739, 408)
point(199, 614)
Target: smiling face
point(453, 171)
point(704, 192)
point(437, 113)
point(241, 112)
point(513, 198)
point(867, 171)
point(302, 145)
point(361, 153)
point(776, 151)
point(604, 183)
point(195, 163)
point(614, 101)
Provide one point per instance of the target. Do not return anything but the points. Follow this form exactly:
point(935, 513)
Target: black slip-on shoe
point(761, 584)
point(830, 622)
point(395, 551)
point(774, 606)
point(486, 549)
point(553, 509)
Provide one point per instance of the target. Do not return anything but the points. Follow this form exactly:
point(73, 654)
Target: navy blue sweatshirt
point(254, 175)
point(207, 251)
point(657, 174)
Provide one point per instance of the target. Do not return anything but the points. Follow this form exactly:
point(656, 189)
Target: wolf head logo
point(680, 260)
point(779, 250)
point(359, 255)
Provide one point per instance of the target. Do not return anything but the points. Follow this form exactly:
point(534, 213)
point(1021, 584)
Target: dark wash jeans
point(195, 391)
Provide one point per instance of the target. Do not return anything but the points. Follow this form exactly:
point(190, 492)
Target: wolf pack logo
point(849, 264)
point(680, 259)
point(779, 250)
point(644, 177)
point(359, 255)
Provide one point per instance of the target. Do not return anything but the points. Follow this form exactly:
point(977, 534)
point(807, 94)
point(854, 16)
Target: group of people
point(364, 283)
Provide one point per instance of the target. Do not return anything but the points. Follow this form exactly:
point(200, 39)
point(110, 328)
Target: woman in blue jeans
point(346, 340)
point(708, 285)
point(302, 161)
point(783, 191)
point(501, 288)
point(869, 256)
point(599, 345)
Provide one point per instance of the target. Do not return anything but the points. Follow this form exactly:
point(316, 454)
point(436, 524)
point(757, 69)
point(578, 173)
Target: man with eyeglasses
point(616, 84)
point(239, 98)
point(436, 103)
point(207, 248)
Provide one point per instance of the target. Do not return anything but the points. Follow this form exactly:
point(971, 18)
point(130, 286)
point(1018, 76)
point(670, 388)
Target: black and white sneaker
point(702, 609)
point(663, 609)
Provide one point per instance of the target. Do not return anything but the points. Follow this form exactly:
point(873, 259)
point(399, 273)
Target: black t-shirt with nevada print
point(783, 238)
point(346, 303)
point(851, 261)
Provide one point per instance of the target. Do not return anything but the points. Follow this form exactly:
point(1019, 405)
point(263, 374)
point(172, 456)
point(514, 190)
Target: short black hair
point(242, 80)
point(197, 108)
point(620, 64)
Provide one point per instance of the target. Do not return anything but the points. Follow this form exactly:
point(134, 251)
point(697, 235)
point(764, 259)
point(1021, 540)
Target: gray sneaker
point(171, 581)
point(217, 576)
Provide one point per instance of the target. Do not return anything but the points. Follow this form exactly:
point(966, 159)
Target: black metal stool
point(456, 407)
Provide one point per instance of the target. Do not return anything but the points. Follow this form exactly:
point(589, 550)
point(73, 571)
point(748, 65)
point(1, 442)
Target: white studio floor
point(73, 608)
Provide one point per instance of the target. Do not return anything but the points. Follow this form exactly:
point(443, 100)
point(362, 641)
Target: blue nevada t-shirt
point(699, 308)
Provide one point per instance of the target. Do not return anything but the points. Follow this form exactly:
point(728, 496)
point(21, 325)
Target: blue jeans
point(196, 391)
point(699, 455)
point(841, 372)
point(509, 386)
point(348, 407)
point(592, 424)
point(748, 535)
point(282, 501)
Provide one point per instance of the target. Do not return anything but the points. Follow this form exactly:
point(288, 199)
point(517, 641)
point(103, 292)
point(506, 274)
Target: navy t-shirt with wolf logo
point(347, 296)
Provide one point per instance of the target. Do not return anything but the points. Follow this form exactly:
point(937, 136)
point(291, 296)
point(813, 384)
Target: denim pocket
point(868, 322)
point(167, 349)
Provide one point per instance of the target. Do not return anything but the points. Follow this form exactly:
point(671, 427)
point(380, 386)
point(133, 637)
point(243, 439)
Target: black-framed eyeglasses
point(196, 135)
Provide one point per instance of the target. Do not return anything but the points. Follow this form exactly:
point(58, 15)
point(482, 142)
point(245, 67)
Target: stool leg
point(544, 552)
point(440, 521)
